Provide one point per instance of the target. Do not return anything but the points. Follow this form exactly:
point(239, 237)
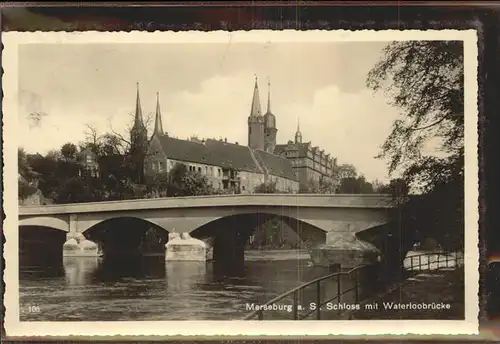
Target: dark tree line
point(345, 180)
point(425, 80)
point(64, 180)
point(62, 177)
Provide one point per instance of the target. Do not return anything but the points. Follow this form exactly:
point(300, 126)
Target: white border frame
point(14, 327)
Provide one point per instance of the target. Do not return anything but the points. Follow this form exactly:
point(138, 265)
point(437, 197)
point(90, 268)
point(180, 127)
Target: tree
point(46, 167)
point(115, 162)
point(116, 143)
point(76, 190)
point(425, 80)
point(269, 187)
point(345, 171)
point(157, 186)
point(54, 154)
point(341, 172)
point(310, 186)
point(68, 151)
point(327, 186)
point(355, 185)
point(25, 169)
point(178, 182)
point(107, 144)
point(397, 188)
point(378, 186)
point(27, 176)
point(195, 184)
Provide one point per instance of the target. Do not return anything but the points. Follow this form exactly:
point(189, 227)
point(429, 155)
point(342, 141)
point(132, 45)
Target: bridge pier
point(183, 247)
point(78, 246)
point(346, 249)
point(213, 215)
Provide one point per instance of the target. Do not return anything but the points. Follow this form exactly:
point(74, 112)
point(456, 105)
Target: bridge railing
point(417, 263)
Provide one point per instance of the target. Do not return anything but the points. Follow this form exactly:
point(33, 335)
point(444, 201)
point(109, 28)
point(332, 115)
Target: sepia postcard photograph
point(241, 183)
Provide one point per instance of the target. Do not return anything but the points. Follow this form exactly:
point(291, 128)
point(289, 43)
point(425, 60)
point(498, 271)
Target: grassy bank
point(443, 288)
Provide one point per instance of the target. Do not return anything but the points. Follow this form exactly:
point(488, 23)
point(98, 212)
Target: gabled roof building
point(234, 167)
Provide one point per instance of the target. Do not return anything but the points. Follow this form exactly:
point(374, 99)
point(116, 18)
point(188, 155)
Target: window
point(160, 166)
point(199, 169)
point(219, 172)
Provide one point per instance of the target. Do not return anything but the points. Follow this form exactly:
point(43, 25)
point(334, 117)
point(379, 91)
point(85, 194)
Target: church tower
point(138, 141)
point(298, 134)
point(158, 123)
point(270, 130)
point(256, 122)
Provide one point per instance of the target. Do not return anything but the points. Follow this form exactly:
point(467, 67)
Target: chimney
point(236, 142)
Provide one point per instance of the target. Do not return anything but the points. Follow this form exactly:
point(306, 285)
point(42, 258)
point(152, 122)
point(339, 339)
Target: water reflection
point(148, 288)
point(39, 272)
point(79, 270)
point(182, 277)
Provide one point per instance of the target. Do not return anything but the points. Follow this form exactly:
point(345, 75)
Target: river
point(148, 288)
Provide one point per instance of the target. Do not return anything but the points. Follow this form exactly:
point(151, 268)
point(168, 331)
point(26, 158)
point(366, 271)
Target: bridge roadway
point(340, 216)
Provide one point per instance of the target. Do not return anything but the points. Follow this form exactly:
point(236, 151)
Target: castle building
point(227, 166)
point(310, 163)
point(234, 167)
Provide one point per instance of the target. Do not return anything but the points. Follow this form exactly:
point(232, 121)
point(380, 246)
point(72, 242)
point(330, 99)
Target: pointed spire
point(298, 134)
point(138, 110)
point(256, 110)
point(158, 122)
point(268, 95)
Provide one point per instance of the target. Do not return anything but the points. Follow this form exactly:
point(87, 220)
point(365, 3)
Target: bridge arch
point(229, 235)
point(40, 245)
point(45, 221)
point(250, 220)
point(127, 235)
point(87, 225)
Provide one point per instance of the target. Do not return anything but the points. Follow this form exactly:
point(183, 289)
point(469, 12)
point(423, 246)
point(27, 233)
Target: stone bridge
point(225, 221)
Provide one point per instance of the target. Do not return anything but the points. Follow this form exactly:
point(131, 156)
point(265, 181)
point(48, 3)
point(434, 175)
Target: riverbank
point(427, 295)
point(270, 255)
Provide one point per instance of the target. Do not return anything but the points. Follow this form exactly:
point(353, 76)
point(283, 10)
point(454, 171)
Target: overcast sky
point(206, 90)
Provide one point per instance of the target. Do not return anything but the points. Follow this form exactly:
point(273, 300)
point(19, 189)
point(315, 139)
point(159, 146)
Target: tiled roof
point(279, 149)
point(302, 148)
point(226, 155)
point(276, 165)
point(212, 152)
point(232, 155)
